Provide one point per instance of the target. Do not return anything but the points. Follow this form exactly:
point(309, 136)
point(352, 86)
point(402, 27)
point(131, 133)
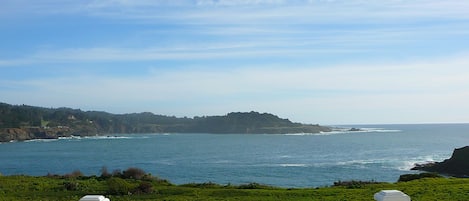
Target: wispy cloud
point(194, 52)
point(254, 28)
point(255, 12)
point(310, 58)
point(248, 11)
point(252, 42)
point(415, 86)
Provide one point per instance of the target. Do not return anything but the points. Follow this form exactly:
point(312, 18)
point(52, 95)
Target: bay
point(377, 152)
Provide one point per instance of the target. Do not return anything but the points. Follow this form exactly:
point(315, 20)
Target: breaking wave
point(93, 137)
point(293, 165)
point(336, 131)
point(42, 140)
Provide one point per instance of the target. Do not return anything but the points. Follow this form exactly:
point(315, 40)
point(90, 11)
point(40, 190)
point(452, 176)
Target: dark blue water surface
point(379, 152)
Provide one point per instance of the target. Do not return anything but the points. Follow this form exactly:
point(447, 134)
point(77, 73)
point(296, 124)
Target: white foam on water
point(41, 140)
point(98, 137)
point(336, 131)
point(410, 163)
point(293, 165)
point(101, 137)
point(357, 162)
point(285, 156)
point(300, 134)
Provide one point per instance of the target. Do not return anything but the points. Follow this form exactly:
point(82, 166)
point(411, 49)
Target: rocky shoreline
point(31, 133)
point(456, 166)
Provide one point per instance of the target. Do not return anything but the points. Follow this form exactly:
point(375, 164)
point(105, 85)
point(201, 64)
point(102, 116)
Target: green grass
point(16, 188)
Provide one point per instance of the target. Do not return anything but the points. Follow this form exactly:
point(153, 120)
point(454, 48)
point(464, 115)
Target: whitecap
point(41, 140)
point(101, 137)
point(70, 138)
point(406, 165)
point(223, 161)
point(382, 130)
point(337, 131)
point(300, 134)
point(363, 130)
point(357, 162)
point(410, 163)
point(293, 165)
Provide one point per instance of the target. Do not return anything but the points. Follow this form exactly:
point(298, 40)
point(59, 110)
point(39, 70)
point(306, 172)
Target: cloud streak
point(336, 61)
point(229, 12)
point(264, 42)
point(417, 86)
point(253, 11)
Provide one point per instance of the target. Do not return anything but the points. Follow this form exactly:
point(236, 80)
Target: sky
point(330, 62)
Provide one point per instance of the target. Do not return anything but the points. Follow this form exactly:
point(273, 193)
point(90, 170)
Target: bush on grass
point(254, 185)
point(133, 173)
point(354, 184)
point(202, 185)
point(118, 186)
point(143, 188)
point(71, 185)
point(74, 174)
point(410, 177)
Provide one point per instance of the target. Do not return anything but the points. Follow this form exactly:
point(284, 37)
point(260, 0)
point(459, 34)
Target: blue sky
point(316, 61)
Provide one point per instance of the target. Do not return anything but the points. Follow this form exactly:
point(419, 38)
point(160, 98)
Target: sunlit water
point(379, 152)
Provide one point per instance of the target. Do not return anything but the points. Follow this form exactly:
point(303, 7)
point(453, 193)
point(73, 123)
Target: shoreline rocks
point(457, 165)
point(31, 133)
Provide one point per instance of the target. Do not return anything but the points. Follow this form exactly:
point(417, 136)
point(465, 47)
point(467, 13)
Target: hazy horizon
point(329, 62)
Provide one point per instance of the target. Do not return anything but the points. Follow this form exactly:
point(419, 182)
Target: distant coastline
point(22, 122)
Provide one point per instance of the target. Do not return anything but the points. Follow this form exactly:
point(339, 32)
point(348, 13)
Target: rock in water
point(457, 165)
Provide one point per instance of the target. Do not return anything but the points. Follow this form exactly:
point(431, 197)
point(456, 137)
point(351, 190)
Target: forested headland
point(23, 122)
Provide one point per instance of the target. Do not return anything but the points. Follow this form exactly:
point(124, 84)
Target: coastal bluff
point(31, 133)
point(457, 165)
point(22, 122)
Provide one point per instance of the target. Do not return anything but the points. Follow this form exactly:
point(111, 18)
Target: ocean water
point(378, 152)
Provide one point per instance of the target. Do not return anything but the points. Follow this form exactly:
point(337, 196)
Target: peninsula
point(22, 122)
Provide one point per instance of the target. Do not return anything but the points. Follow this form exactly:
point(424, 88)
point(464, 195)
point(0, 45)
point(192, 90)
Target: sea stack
point(457, 165)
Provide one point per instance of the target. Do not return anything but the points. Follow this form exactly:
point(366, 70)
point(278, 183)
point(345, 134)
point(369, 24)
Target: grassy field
point(57, 188)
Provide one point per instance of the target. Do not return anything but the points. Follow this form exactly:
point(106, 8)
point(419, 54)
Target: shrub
point(133, 173)
point(161, 181)
point(144, 187)
point(410, 177)
point(71, 186)
point(74, 174)
point(50, 175)
point(353, 184)
point(118, 186)
point(117, 173)
point(202, 185)
point(253, 185)
point(105, 173)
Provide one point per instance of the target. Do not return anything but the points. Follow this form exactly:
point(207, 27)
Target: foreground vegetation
point(134, 184)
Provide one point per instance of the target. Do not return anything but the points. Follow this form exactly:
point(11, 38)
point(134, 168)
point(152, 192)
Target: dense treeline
point(18, 116)
point(67, 121)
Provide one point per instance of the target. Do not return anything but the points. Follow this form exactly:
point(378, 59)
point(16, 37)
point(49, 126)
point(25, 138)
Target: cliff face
point(457, 165)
